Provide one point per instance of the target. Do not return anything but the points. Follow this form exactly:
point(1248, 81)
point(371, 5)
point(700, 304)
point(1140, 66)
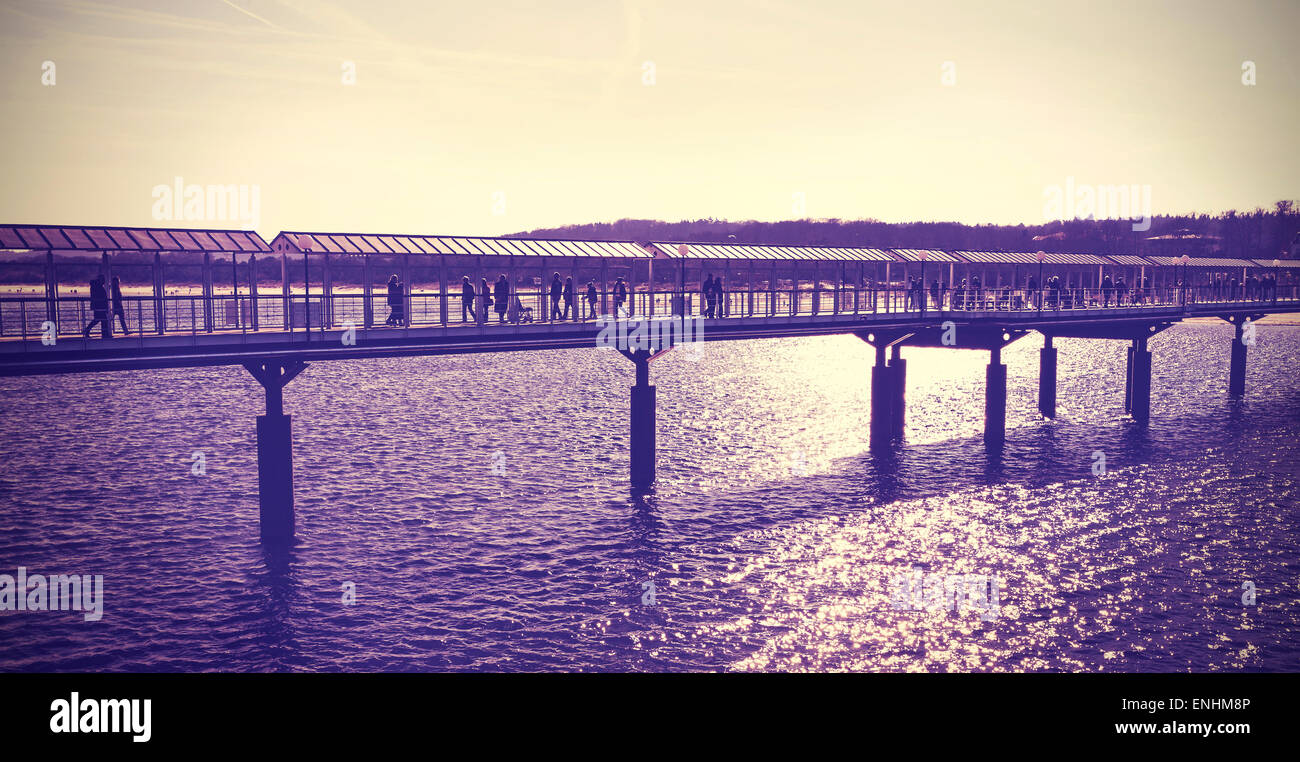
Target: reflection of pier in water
point(765, 292)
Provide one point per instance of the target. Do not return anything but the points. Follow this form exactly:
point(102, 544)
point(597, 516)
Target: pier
point(333, 288)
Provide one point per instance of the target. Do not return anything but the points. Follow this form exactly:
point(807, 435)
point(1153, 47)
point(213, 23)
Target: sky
point(485, 118)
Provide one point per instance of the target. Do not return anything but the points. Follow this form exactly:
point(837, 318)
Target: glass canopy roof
point(680, 250)
point(1031, 258)
point(369, 243)
point(66, 237)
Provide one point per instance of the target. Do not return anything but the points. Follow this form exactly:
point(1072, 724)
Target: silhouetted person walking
point(557, 290)
point(710, 300)
point(484, 301)
point(119, 305)
point(592, 298)
point(501, 293)
point(466, 300)
point(99, 309)
point(620, 295)
point(394, 300)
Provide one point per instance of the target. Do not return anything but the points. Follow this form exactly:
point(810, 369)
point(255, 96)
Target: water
point(771, 540)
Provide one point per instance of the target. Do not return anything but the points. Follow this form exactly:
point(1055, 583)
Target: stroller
point(518, 313)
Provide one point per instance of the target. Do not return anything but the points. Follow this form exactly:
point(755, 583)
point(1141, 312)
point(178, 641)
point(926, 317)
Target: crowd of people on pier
point(1254, 288)
point(510, 309)
point(1053, 294)
point(973, 295)
point(107, 304)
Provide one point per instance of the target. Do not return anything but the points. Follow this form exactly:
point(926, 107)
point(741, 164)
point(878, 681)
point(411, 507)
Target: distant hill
point(1256, 234)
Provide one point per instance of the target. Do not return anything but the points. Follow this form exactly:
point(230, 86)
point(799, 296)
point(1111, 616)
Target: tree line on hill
point(1258, 234)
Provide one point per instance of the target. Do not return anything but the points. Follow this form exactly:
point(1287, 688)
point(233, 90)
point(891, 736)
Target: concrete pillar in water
point(275, 451)
point(1047, 379)
point(642, 430)
point(275, 476)
point(995, 399)
point(1237, 368)
point(882, 401)
point(643, 425)
point(898, 379)
point(1140, 402)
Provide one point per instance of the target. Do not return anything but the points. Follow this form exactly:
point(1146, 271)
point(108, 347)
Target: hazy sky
point(549, 104)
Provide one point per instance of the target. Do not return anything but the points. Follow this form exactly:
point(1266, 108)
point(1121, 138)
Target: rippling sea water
point(771, 539)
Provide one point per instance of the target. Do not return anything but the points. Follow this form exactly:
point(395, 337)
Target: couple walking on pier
point(99, 307)
point(715, 297)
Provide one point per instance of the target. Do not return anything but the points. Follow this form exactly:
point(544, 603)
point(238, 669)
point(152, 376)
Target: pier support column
point(882, 401)
point(1237, 368)
point(1047, 379)
point(275, 450)
point(643, 432)
point(1140, 380)
point(995, 399)
point(642, 441)
point(898, 379)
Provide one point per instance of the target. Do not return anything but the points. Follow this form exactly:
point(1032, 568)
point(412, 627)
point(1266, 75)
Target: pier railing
point(31, 317)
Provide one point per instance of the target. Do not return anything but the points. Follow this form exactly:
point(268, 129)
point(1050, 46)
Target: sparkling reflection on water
point(771, 539)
